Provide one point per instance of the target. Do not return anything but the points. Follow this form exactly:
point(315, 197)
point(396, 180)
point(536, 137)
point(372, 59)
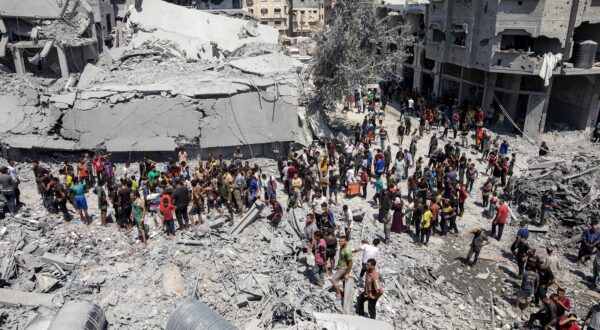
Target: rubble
point(572, 180)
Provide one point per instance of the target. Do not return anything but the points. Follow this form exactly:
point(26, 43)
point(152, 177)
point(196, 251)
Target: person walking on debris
point(372, 291)
point(320, 251)
point(529, 286)
point(344, 267)
point(589, 240)
point(479, 241)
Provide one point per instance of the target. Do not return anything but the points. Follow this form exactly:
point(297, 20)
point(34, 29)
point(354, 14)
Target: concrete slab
point(536, 229)
point(268, 64)
point(61, 261)
point(49, 9)
point(350, 322)
point(14, 297)
point(180, 26)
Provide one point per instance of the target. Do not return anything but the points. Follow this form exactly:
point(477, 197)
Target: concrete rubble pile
point(229, 85)
point(251, 274)
point(574, 185)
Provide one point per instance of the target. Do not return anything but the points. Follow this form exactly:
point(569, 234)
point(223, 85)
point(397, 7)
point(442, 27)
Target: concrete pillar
point(62, 60)
point(515, 87)
point(418, 73)
point(18, 58)
point(417, 78)
point(591, 103)
point(488, 89)
point(437, 78)
point(537, 108)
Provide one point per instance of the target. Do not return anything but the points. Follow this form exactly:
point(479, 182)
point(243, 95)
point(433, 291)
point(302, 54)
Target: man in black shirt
point(124, 201)
point(547, 316)
point(546, 279)
point(181, 199)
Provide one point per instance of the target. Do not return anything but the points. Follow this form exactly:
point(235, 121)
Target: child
point(166, 211)
point(493, 205)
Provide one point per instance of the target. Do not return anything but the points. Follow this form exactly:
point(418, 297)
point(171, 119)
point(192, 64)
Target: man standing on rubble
point(479, 241)
point(12, 171)
point(372, 291)
point(500, 219)
point(124, 204)
point(344, 267)
point(181, 199)
point(589, 240)
point(7, 187)
point(547, 204)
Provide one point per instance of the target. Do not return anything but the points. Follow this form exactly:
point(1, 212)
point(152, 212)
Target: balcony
point(514, 60)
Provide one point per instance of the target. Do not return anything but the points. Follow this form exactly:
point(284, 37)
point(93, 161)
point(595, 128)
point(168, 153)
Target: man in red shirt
point(500, 219)
point(98, 165)
point(563, 304)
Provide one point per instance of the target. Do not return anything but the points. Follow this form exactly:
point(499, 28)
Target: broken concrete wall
point(158, 20)
point(571, 102)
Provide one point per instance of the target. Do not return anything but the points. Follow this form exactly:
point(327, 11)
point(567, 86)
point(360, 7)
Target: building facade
point(273, 13)
point(309, 15)
point(491, 53)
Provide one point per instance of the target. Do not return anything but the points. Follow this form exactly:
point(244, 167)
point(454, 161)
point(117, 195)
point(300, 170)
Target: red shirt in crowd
point(502, 214)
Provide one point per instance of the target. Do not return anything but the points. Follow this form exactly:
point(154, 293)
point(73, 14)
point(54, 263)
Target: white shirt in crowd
point(350, 176)
point(369, 252)
point(348, 218)
point(411, 103)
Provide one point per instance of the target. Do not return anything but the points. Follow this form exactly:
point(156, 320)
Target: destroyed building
point(50, 38)
point(539, 60)
point(164, 86)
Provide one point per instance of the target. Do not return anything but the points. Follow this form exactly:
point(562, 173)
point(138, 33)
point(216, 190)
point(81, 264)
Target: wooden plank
point(573, 176)
point(493, 257)
point(592, 294)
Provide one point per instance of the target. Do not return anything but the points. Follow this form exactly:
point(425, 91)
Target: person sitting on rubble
point(589, 240)
point(543, 149)
point(277, 214)
point(547, 316)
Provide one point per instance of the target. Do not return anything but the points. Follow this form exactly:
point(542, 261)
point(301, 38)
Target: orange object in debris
point(353, 189)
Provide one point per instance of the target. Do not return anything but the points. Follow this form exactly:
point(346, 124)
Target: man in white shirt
point(348, 218)
point(411, 105)
point(349, 149)
point(318, 200)
point(350, 175)
point(369, 252)
point(12, 171)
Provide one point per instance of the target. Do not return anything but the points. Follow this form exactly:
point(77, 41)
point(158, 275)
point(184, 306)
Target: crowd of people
point(416, 194)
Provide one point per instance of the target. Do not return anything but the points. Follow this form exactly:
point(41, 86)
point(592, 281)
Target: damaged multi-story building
point(537, 59)
point(52, 37)
point(139, 77)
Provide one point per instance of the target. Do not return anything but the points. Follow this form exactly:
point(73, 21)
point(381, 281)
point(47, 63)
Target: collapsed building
point(538, 60)
point(160, 84)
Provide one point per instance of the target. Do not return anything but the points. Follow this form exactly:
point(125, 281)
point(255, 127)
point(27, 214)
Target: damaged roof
point(41, 9)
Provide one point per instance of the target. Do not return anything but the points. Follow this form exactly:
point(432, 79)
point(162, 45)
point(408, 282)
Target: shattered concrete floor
point(253, 279)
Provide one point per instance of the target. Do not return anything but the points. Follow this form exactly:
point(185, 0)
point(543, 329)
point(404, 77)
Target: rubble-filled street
point(340, 165)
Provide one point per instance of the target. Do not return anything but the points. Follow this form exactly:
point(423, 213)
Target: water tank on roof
point(585, 54)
